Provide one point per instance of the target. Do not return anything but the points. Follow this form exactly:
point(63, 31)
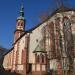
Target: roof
point(9, 51)
point(39, 49)
point(20, 18)
point(58, 10)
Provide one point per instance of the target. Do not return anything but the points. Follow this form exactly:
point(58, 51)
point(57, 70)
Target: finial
point(21, 11)
point(22, 8)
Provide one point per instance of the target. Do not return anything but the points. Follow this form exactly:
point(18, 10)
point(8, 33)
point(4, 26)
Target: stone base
point(39, 73)
point(18, 71)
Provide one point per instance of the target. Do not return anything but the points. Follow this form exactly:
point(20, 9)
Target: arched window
point(68, 36)
point(16, 57)
point(18, 23)
point(38, 59)
point(67, 24)
point(35, 57)
point(67, 29)
point(23, 60)
point(42, 57)
point(22, 24)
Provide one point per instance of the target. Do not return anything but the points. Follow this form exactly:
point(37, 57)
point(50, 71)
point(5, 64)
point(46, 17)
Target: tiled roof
point(39, 49)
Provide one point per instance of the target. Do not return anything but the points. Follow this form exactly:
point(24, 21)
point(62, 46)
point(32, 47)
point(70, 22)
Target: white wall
point(21, 47)
point(36, 35)
point(7, 63)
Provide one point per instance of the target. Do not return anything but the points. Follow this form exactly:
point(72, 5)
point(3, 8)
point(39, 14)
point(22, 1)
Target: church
point(49, 47)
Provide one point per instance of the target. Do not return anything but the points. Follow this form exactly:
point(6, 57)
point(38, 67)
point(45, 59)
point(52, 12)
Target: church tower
point(20, 25)
point(20, 46)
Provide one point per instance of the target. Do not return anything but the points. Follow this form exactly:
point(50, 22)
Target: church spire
point(20, 25)
point(21, 11)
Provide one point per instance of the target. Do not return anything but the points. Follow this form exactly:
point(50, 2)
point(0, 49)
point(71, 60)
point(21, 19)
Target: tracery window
point(48, 39)
point(67, 33)
point(68, 40)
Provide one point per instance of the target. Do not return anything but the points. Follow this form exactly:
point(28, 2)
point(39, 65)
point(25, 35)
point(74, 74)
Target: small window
point(42, 56)
point(21, 24)
point(38, 58)
point(18, 23)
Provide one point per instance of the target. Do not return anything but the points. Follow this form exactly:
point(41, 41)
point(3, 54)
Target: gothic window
point(67, 29)
point(22, 57)
point(42, 58)
point(16, 57)
point(35, 57)
point(68, 36)
point(48, 37)
point(67, 24)
point(38, 59)
point(23, 60)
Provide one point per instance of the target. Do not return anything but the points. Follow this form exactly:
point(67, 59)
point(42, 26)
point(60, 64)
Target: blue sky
point(9, 11)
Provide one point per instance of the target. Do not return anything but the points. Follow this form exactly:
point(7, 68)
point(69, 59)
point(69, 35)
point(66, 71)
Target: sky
point(33, 9)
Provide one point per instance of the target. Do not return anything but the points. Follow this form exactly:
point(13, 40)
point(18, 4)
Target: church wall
point(73, 32)
point(14, 56)
point(7, 63)
point(37, 35)
point(19, 56)
point(20, 48)
point(34, 36)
